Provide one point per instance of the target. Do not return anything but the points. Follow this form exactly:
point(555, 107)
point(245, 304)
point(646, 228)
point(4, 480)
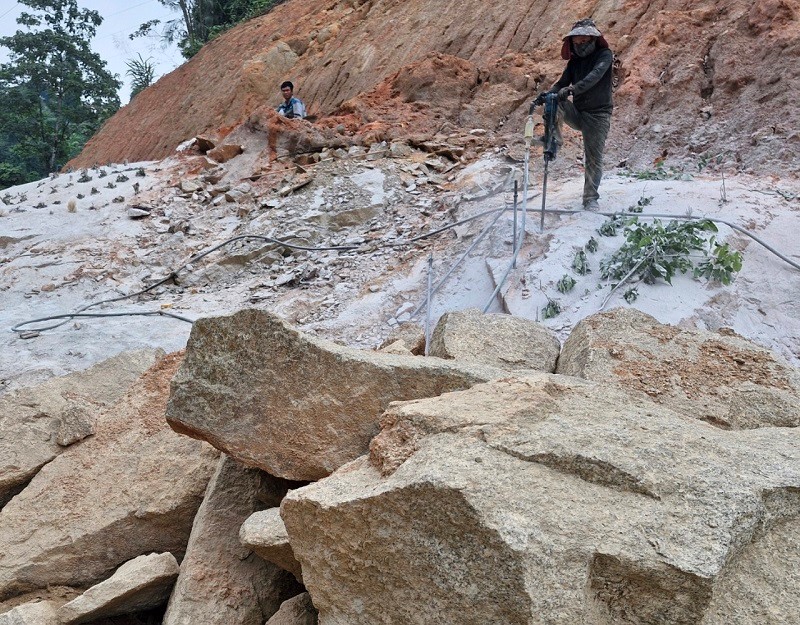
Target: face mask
point(585, 49)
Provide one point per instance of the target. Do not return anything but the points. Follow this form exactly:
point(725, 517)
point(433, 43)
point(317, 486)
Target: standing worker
point(588, 79)
point(291, 106)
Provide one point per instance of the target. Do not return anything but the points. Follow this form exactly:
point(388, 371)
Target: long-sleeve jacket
point(590, 78)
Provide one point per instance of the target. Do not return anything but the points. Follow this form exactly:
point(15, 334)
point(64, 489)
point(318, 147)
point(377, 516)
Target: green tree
point(54, 91)
point(202, 20)
point(142, 73)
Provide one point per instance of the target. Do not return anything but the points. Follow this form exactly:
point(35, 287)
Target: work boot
point(591, 205)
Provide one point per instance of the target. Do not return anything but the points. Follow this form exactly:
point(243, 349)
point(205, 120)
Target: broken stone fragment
point(75, 425)
point(718, 377)
point(225, 152)
point(190, 186)
point(136, 212)
point(296, 611)
point(33, 613)
point(31, 418)
point(412, 335)
point(377, 151)
point(219, 189)
point(203, 144)
point(265, 533)
point(239, 193)
point(139, 584)
point(495, 339)
point(398, 149)
point(291, 404)
point(398, 347)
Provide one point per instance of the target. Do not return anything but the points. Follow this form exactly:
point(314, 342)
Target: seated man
point(291, 107)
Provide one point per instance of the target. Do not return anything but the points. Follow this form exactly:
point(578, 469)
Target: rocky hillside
point(706, 80)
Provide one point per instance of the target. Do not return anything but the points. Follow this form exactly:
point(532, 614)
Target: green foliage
point(54, 91)
point(656, 251)
point(203, 20)
point(566, 284)
point(142, 72)
point(11, 175)
point(630, 295)
point(591, 245)
point(711, 160)
point(580, 263)
point(552, 309)
point(658, 173)
point(722, 264)
point(640, 204)
point(610, 226)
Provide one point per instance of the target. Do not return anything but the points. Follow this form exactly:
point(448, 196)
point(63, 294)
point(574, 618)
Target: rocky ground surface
point(341, 244)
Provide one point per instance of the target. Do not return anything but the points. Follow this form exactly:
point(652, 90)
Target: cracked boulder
point(718, 377)
point(498, 340)
point(38, 421)
point(546, 498)
point(132, 488)
point(293, 405)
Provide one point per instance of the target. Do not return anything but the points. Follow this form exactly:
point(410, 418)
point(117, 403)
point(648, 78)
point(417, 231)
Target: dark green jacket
point(590, 78)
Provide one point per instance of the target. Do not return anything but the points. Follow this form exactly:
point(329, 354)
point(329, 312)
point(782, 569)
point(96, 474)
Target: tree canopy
point(202, 20)
point(54, 91)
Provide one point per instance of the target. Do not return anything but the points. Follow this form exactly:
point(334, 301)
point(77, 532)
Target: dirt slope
point(701, 78)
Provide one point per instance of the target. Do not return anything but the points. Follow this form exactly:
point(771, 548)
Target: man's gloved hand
point(564, 93)
point(538, 101)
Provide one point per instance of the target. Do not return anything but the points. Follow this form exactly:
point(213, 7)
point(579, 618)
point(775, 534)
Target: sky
point(120, 19)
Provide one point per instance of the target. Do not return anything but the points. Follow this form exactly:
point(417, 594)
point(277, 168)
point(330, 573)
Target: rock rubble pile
point(613, 483)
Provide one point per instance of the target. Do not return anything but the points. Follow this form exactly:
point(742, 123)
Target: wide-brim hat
point(585, 27)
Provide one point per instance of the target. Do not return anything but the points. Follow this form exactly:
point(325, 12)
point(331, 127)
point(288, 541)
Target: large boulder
point(555, 500)
point(221, 582)
point(37, 422)
point(140, 584)
point(494, 339)
point(719, 377)
point(291, 404)
point(132, 488)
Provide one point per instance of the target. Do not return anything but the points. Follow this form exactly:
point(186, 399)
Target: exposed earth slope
point(707, 80)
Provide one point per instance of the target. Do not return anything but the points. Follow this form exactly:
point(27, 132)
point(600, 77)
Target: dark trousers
point(594, 128)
